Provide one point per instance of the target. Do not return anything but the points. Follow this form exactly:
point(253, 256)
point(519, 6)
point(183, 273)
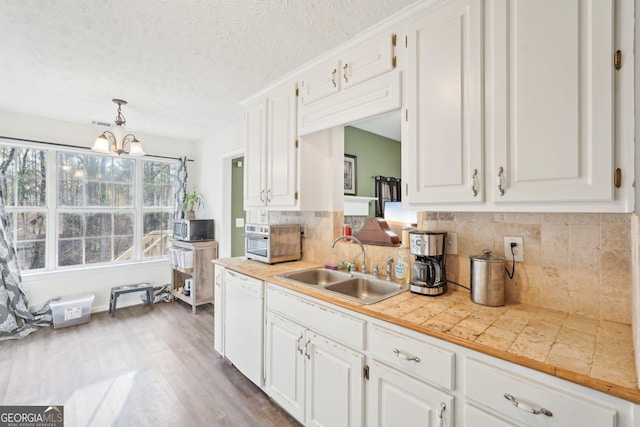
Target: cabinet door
point(370, 59)
point(255, 154)
point(477, 417)
point(321, 82)
point(282, 148)
point(334, 392)
point(284, 360)
point(550, 99)
point(218, 310)
point(396, 399)
point(444, 150)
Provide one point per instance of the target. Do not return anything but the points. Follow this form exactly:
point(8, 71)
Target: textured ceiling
point(183, 65)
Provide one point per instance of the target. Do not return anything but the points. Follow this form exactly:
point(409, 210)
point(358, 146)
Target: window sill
point(97, 269)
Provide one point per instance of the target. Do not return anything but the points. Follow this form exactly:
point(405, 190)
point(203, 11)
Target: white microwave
point(272, 243)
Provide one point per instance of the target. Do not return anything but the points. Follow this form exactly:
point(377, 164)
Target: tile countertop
point(592, 353)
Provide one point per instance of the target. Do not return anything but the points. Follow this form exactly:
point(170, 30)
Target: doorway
point(237, 206)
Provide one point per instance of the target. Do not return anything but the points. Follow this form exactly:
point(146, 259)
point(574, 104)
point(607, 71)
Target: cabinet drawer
point(414, 357)
point(332, 324)
point(488, 385)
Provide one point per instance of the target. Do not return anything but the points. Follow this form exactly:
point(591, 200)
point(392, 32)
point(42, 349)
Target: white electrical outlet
point(518, 250)
point(452, 244)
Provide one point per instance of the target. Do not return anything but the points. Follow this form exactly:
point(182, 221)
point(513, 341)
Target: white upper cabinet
point(368, 60)
point(282, 147)
point(443, 152)
point(255, 155)
point(550, 100)
point(361, 82)
point(271, 150)
point(517, 105)
point(322, 81)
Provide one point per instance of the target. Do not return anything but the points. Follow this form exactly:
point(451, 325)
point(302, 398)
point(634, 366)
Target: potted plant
point(191, 200)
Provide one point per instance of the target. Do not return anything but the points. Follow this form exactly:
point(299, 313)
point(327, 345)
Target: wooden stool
point(125, 289)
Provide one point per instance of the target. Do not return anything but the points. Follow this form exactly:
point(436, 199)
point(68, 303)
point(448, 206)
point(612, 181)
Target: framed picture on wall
point(350, 165)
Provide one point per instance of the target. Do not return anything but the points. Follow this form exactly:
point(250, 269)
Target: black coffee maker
point(428, 276)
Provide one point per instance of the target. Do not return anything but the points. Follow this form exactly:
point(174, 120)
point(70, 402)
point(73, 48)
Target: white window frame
point(52, 210)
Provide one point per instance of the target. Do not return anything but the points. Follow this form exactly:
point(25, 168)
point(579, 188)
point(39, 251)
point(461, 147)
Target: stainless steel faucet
point(363, 268)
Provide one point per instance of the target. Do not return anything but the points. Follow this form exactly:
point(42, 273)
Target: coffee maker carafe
point(428, 273)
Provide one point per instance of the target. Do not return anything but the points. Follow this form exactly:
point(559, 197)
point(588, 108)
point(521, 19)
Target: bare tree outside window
point(94, 208)
point(92, 192)
point(23, 178)
point(158, 204)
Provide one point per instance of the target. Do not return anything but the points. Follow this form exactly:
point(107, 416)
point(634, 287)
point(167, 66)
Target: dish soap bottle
point(402, 268)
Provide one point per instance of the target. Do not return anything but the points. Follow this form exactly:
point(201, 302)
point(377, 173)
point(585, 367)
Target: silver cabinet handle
point(405, 356)
point(443, 407)
point(306, 349)
point(269, 196)
point(526, 407)
point(474, 178)
point(344, 74)
point(333, 77)
point(262, 195)
point(499, 180)
point(299, 346)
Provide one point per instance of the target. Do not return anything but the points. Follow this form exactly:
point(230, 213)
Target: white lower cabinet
point(284, 364)
point(396, 399)
point(334, 383)
point(318, 380)
point(526, 403)
point(315, 369)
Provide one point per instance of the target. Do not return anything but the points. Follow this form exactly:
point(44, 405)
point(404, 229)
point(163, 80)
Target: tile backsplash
point(573, 263)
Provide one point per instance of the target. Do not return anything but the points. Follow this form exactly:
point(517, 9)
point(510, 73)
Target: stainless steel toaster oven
point(272, 243)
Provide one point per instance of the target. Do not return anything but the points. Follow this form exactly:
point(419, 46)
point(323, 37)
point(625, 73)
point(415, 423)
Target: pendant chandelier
point(117, 139)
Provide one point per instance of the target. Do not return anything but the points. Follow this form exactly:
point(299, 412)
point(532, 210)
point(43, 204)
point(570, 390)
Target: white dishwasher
point(243, 325)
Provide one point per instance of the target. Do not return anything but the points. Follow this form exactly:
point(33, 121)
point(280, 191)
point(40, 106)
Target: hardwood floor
point(146, 366)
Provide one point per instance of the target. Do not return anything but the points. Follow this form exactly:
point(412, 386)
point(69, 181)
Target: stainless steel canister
point(487, 279)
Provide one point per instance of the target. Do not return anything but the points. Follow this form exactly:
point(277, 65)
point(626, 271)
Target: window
point(101, 210)
point(96, 211)
point(159, 198)
point(23, 178)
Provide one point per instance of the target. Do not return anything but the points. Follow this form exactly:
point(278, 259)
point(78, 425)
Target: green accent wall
point(376, 154)
point(237, 206)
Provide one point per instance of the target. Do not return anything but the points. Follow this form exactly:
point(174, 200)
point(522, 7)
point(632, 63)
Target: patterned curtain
point(387, 189)
point(16, 321)
point(181, 190)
